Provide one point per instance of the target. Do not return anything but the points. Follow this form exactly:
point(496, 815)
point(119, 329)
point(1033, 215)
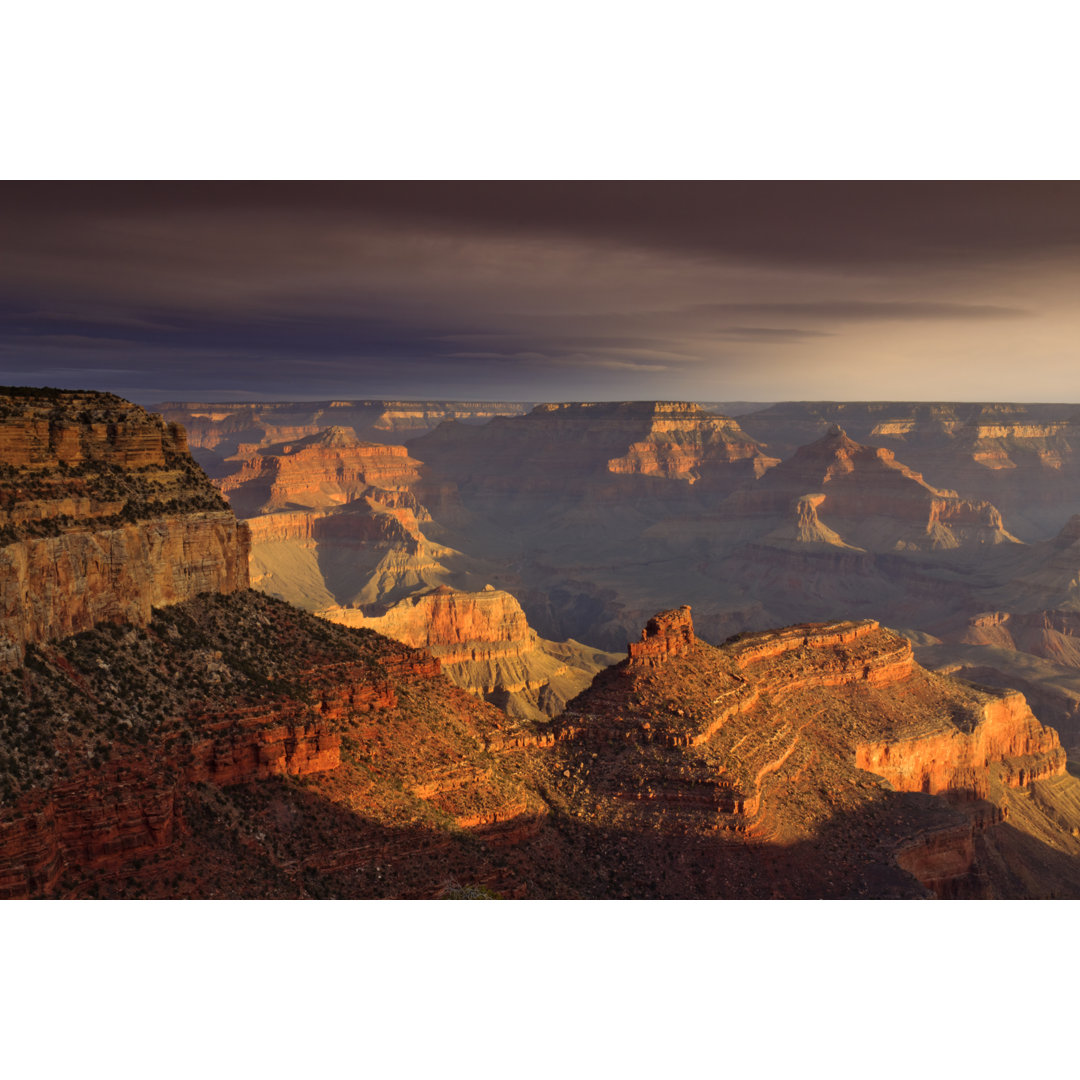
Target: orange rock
point(106, 516)
point(320, 471)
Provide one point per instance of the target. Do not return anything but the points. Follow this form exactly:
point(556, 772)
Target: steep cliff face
point(103, 515)
point(486, 646)
point(1002, 730)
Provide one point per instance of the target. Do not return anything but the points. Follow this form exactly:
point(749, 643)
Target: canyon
point(594, 516)
point(386, 713)
point(336, 528)
point(217, 430)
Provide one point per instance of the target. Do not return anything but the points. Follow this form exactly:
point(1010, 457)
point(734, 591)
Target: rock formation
point(216, 431)
point(337, 529)
point(103, 515)
point(683, 442)
point(671, 633)
point(486, 646)
point(128, 756)
point(574, 448)
point(165, 732)
point(815, 760)
point(837, 488)
point(1019, 457)
point(322, 470)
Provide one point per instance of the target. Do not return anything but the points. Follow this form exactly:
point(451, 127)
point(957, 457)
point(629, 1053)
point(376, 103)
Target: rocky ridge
point(818, 746)
point(216, 430)
point(103, 515)
point(132, 760)
point(1020, 457)
point(844, 493)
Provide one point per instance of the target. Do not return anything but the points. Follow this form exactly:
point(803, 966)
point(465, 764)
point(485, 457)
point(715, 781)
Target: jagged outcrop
point(670, 633)
point(769, 742)
point(103, 515)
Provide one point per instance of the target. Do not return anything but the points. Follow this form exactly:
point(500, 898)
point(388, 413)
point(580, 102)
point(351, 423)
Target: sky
point(523, 291)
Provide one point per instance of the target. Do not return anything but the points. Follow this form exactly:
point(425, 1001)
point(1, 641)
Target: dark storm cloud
point(807, 221)
point(504, 289)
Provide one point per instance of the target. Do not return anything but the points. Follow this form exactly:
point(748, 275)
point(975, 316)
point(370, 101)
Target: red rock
point(670, 633)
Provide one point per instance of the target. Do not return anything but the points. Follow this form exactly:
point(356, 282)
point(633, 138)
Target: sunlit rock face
point(812, 760)
point(486, 646)
point(103, 515)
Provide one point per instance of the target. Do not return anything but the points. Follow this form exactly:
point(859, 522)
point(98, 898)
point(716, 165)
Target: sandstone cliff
point(103, 515)
point(327, 469)
point(486, 646)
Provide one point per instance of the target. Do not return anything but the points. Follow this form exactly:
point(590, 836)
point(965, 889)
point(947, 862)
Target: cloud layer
point(536, 291)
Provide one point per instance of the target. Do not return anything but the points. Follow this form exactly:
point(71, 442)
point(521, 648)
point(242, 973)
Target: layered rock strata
point(486, 646)
point(132, 762)
point(103, 515)
point(322, 470)
point(862, 496)
point(569, 449)
point(1020, 457)
point(219, 428)
point(684, 442)
point(774, 741)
